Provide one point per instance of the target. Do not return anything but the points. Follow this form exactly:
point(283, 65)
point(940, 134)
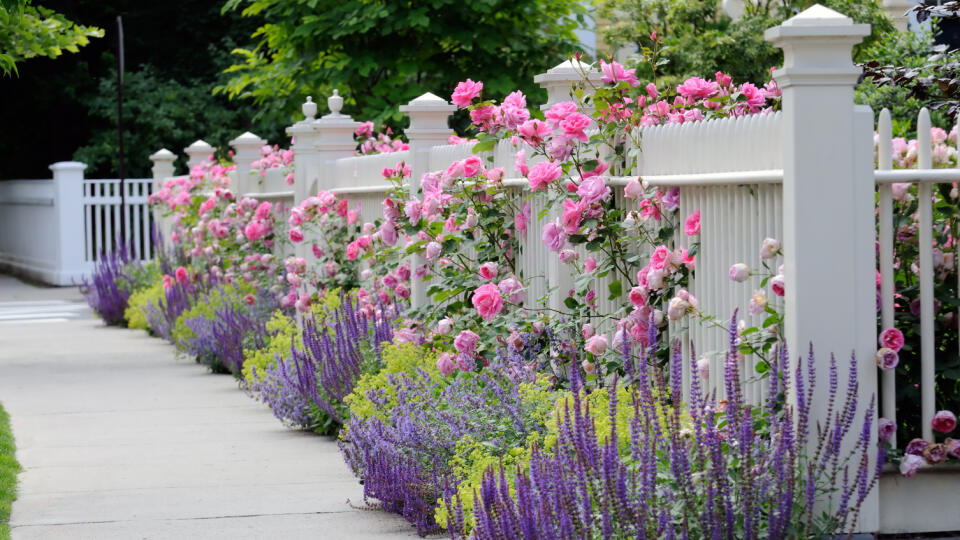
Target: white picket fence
point(805, 176)
point(54, 230)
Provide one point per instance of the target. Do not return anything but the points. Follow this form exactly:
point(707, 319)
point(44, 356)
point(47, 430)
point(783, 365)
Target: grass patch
point(8, 473)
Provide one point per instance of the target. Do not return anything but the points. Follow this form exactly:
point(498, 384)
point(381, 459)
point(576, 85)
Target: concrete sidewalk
point(120, 439)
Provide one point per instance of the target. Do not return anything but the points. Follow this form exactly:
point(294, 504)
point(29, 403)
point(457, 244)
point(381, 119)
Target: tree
point(697, 38)
point(381, 53)
point(27, 31)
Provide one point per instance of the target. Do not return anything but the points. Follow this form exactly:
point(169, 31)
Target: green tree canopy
point(27, 31)
point(698, 38)
point(381, 53)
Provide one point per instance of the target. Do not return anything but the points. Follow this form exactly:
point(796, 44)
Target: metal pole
point(123, 190)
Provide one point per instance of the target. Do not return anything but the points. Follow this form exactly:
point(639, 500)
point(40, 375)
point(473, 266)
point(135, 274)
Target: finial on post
point(309, 108)
point(335, 102)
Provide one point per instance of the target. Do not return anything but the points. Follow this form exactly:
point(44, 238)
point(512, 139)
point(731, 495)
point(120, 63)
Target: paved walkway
point(120, 439)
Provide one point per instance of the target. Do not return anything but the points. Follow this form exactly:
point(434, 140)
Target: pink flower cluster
point(377, 143)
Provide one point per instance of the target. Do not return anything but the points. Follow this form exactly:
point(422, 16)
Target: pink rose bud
point(739, 272)
point(488, 270)
point(891, 338)
point(597, 345)
point(633, 189)
point(445, 326)
point(887, 359)
point(776, 283)
point(769, 248)
point(568, 255)
point(886, 429)
point(432, 250)
point(703, 367)
point(466, 342)
point(445, 364)
point(944, 422)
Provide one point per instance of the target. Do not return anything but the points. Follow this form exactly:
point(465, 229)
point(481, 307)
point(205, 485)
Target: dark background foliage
point(63, 109)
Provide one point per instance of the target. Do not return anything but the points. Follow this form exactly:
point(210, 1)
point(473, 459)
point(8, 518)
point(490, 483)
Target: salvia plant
point(105, 291)
point(738, 470)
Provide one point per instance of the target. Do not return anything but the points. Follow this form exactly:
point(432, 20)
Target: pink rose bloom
point(739, 272)
point(445, 326)
point(769, 248)
point(692, 225)
point(660, 257)
point(594, 189)
point(587, 331)
point(633, 189)
point(488, 270)
point(413, 208)
point(432, 250)
point(445, 364)
point(697, 88)
point(352, 251)
point(567, 256)
point(466, 362)
point(466, 342)
point(573, 126)
point(520, 163)
point(590, 264)
point(910, 464)
point(887, 359)
point(638, 296)
point(543, 173)
point(776, 283)
point(597, 345)
point(465, 92)
point(388, 233)
point(253, 231)
point(296, 235)
point(402, 291)
point(331, 268)
point(703, 367)
point(885, 429)
point(943, 421)
point(755, 96)
point(758, 302)
point(613, 73)
point(534, 132)
point(487, 301)
point(553, 236)
point(652, 90)
point(935, 454)
point(181, 274)
point(472, 166)
point(572, 213)
point(263, 210)
point(892, 338)
point(915, 447)
point(521, 220)
point(512, 289)
point(560, 111)
point(649, 209)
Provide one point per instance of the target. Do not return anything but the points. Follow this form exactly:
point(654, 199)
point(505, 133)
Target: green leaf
point(616, 289)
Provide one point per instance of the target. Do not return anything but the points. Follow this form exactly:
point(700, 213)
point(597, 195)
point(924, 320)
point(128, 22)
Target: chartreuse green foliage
point(404, 358)
point(141, 298)
point(27, 31)
point(206, 307)
point(284, 333)
point(9, 467)
point(379, 54)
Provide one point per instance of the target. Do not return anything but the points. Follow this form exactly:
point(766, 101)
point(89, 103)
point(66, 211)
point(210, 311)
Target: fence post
point(68, 204)
point(897, 9)
point(428, 128)
point(828, 211)
point(334, 140)
point(198, 152)
point(246, 150)
point(162, 169)
point(559, 82)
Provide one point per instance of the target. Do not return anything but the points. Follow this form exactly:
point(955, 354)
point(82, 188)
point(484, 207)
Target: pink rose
point(388, 233)
point(534, 132)
point(915, 447)
point(573, 126)
point(181, 274)
point(352, 251)
point(488, 270)
point(935, 453)
point(568, 255)
point(520, 163)
point(553, 236)
point(432, 250)
point(593, 189)
point(487, 300)
point(692, 225)
point(390, 281)
point(559, 111)
point(465, 92)
point(522, 218)
point(445, 326)
point(614, 73)
point(512, 289)
point(892, 338)
point(466, 362)
point(887, 359)
point(472, 166)
point(597, 345)
point(638, 296)
point(590, 264)
point(402, 291)
point(697, 88)
point(445, 364)
point(587, 331)
point(739, 272)
point(703, 367)
point(776, 283)
point(413, 208)
point(633, 189)
point(466, 342)
point(758, 302)
point(543, 173)
point(296, 235)
point(769, 248)
point(885, 429)
point(943, 421)
point(910, 464)
point(572, 213)
point(660, 258)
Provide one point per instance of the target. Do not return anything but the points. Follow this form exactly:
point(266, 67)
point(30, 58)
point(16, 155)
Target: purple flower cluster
point(177, 298)
point(733, 470)
point(105, 292)
point(403, 459)
point(281, 388)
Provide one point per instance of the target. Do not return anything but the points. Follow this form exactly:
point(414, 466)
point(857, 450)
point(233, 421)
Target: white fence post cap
point(163, 155)
point(198, 146)
point(428, 102)
point(817, 21)
point(68, 166)
point(248, 138)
